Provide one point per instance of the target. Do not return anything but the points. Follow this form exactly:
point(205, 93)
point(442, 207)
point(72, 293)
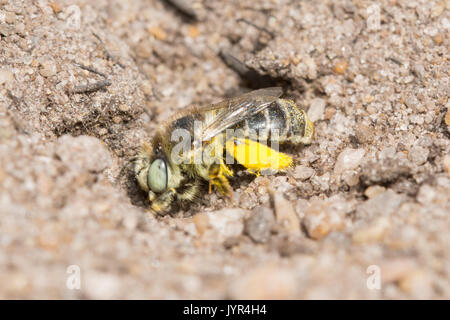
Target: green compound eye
point(157, 176)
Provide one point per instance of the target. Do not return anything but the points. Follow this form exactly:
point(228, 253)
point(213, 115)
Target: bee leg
point(217, 177)
point(162, 203)
point(222, 185)
point(227, 171)
point(256, 172)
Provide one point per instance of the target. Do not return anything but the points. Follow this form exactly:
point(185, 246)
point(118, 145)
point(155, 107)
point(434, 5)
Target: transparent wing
point(234, 110)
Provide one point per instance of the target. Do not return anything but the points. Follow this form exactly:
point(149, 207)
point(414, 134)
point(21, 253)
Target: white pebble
point(349, 159)
point(316, 110)
point(418, 155)
point(303, 172)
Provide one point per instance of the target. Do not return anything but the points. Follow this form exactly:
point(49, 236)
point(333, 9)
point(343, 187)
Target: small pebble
point(364, 133)
point(146, 87)
point(10, 17)
point(426, 194)
point(102, 131)
point(48, 68)
point(316, 109)
point(158, 33)
point(324, 216)
point(418, 155)
point(193, 32)
point(351, 178)
point(349, 159)
point(303, 173)
point(124, 107)
point(55, 7)
point(437, 9)
point(312, 68)
point(6, 76)
point(446, 163)
point(412, 102)
point(7, 30)
point(369, 98)
point(340, 66)
point(329, 113)
point(259, 224)
point(447, 117)
point(373, 191)
point(438, 39)
point(285, 214)
point(419, 70)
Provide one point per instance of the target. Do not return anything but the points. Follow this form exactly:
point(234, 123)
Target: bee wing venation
point(236, 109)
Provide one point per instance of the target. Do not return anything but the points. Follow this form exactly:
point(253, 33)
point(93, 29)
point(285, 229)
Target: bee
point(166, 179)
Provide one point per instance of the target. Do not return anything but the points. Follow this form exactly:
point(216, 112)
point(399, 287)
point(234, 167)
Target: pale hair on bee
point(255, 118)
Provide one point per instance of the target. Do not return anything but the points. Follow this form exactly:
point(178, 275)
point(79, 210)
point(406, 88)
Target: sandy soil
point(83, 83)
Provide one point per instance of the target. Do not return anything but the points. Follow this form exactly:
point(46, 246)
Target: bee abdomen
point(282, 121)
point(297, 122)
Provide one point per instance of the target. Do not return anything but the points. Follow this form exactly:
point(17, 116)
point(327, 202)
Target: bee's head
point(153, 171)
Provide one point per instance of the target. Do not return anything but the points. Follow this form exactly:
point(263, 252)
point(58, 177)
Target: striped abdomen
point(282, 119)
